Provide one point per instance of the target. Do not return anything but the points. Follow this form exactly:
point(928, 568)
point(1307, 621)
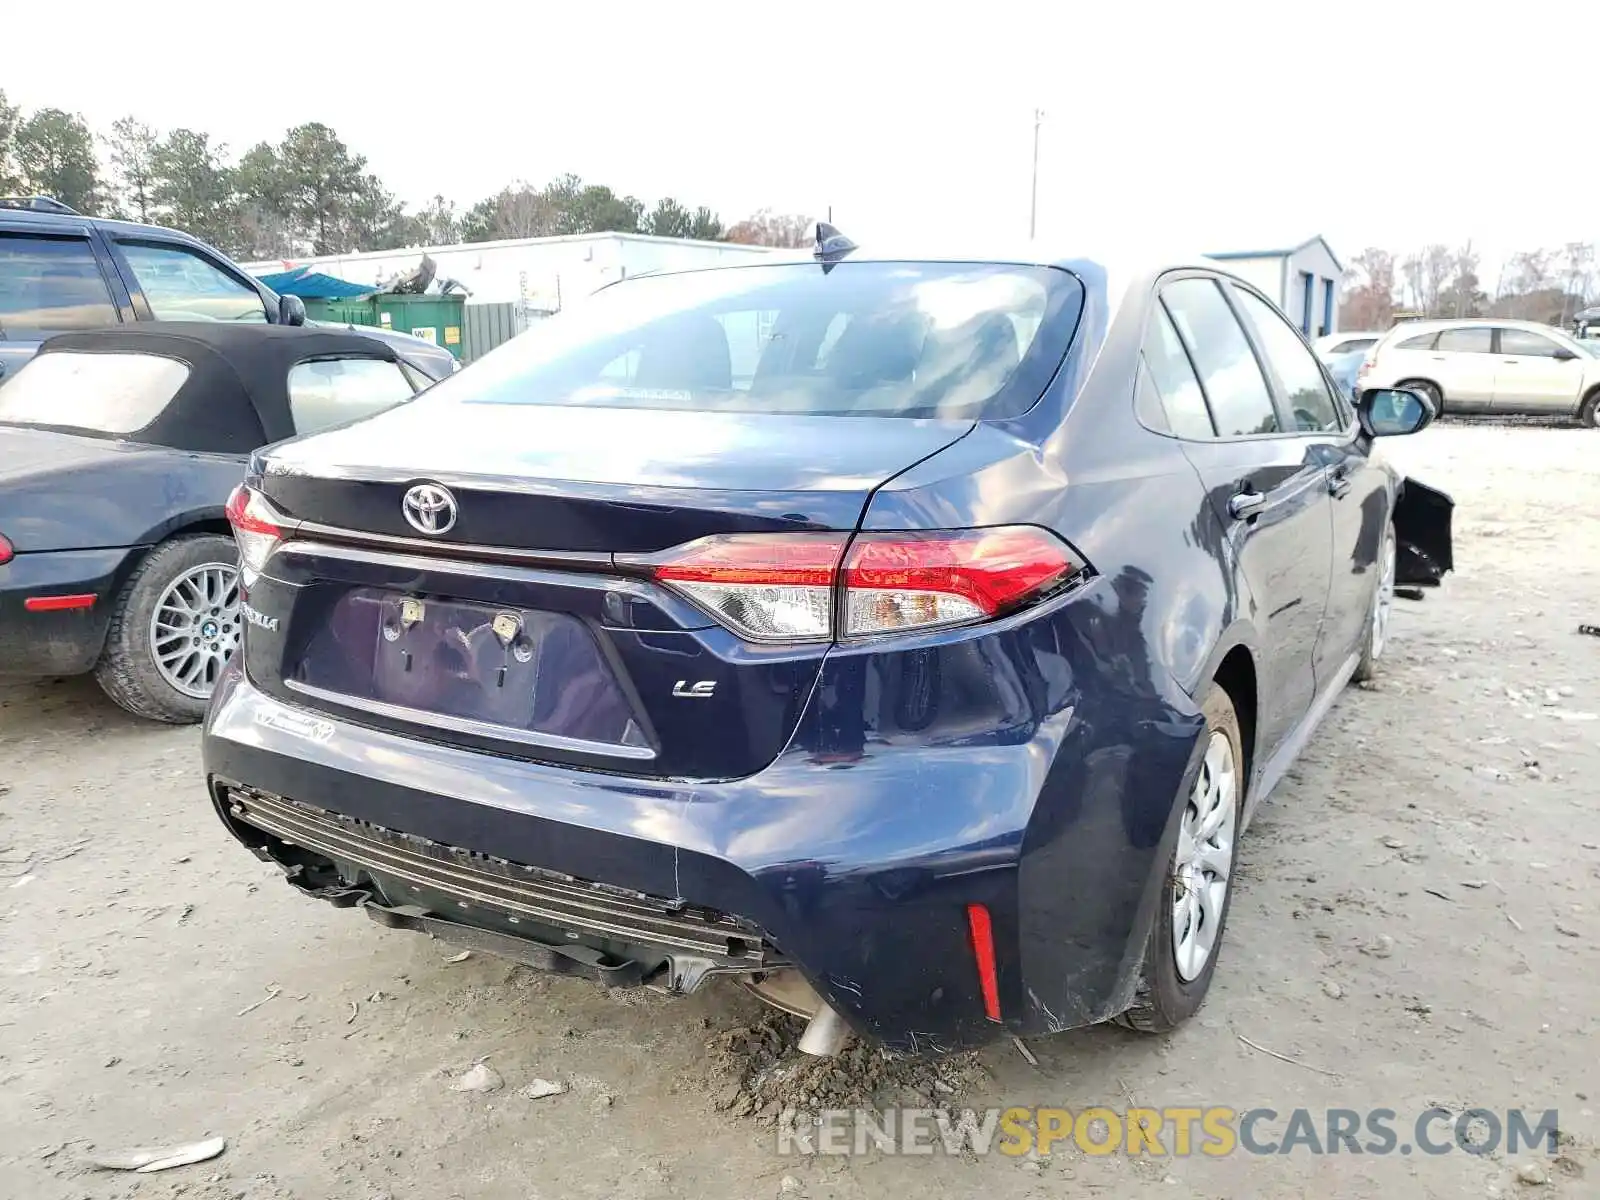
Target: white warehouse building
point(1303, 279)
point(539, 274)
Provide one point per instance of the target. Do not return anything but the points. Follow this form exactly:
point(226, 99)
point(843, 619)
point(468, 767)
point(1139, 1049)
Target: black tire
point(127, 670)
point(1589, 414)
point(1374, 641)
point(1164, 999)
point(1424, 388)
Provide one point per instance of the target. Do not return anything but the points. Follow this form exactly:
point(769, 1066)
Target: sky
point(1229, 125)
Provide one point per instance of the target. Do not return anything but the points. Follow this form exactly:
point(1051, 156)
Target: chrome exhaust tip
point(826, 1032)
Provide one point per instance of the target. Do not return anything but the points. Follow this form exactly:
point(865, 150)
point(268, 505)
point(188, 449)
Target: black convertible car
point(118, 450)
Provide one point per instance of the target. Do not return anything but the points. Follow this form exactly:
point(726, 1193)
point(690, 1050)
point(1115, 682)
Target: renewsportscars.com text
point(1165, 1132)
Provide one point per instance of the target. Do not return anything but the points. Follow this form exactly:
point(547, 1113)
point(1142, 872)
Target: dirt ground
point(1415, 926)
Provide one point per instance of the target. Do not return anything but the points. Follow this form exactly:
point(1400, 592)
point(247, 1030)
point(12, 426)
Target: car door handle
point(1246, 504)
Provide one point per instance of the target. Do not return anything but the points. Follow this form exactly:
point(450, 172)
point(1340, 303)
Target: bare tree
point(1369, 293)
point(766, 228)
point(1578, 266)
point(1432, 271)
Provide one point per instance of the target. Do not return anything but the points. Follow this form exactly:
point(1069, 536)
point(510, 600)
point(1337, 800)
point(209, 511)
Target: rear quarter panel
point(1113, 718)
point(130, 496)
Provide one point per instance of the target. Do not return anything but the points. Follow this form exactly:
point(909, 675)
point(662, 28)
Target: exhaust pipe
point(826, 1032)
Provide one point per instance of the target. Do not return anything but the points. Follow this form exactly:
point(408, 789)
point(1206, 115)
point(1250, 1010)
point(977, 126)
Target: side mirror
point(291, 310)
point(1562, 354)
point(1390, 412)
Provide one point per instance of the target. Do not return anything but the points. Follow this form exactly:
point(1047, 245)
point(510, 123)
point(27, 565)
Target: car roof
point(1437, 323)
point(52, 222)
point(236, 395)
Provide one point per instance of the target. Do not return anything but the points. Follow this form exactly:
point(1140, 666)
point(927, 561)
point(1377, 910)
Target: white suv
point(1489, 366)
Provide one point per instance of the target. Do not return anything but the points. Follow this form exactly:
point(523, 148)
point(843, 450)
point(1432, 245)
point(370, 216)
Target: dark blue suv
point(909, 640)
point(61, 272)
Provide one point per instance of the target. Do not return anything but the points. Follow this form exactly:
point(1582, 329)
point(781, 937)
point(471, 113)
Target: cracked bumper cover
point(848, 874)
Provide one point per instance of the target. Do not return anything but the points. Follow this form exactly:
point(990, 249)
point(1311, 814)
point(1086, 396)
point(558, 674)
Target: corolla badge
point(429, 508)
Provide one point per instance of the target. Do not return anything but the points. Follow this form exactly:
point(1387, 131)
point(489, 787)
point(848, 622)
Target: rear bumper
point(64, 642)
point(853, 856)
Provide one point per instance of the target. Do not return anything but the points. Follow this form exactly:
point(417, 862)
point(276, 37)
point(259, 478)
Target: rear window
point(48, 285)
point(882, 339)
point(104, 393)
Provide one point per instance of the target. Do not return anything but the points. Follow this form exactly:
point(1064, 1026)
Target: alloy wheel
point(1204, 861)
point(1383, 600)
point(196, 627)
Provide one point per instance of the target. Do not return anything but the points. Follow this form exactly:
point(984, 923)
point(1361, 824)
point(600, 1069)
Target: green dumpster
point(436, 319)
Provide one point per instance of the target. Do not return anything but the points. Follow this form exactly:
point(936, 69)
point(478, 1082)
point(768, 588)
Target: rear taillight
point(6, 551)
point(815, 587)
point(770, 588)
point(896, 581)
point(254, 529)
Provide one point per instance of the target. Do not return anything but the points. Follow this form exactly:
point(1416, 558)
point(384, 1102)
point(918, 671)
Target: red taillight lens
point(768, 587)
point(254, 529)
point(783, 587)
point(5, 550)
point(896, 581)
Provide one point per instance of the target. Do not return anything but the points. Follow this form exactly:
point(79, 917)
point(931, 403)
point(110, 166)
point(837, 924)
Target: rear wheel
point(1589, 414)
point(1186, 937)
point(173, 627)
point(1423, 388)
point(1382, 605)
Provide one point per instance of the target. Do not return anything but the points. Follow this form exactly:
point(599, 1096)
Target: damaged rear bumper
point(1424, 550)
point(853, 861)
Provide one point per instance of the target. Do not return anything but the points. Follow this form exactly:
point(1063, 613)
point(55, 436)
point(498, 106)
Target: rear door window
point(1241, 403)
point(1167, 366)
point(1310, 400)
point(1474, 340)
point(330, 391)
point(102, 393)
point(180, 285)
point(51, 285)
point(877, 339)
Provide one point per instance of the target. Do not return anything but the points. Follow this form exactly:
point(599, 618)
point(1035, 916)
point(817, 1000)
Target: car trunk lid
point(515, 629)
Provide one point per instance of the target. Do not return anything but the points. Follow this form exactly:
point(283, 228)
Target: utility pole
point(1033, 208)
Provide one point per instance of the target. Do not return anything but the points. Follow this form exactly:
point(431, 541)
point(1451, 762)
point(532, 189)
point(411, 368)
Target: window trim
point(113, 301)
point(136, 294)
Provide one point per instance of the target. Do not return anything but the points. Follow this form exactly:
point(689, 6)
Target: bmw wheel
point(173, 628)
point(1377, 635)
point(1181, 956)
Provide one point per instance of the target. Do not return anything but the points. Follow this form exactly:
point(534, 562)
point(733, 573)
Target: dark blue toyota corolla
point(907, 639)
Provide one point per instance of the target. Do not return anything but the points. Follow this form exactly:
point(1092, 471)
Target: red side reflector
point(983, 952)
point(5, 550)
point(57, 603)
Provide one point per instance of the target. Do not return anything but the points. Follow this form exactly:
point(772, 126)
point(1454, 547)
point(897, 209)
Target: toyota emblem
point(429, 508)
